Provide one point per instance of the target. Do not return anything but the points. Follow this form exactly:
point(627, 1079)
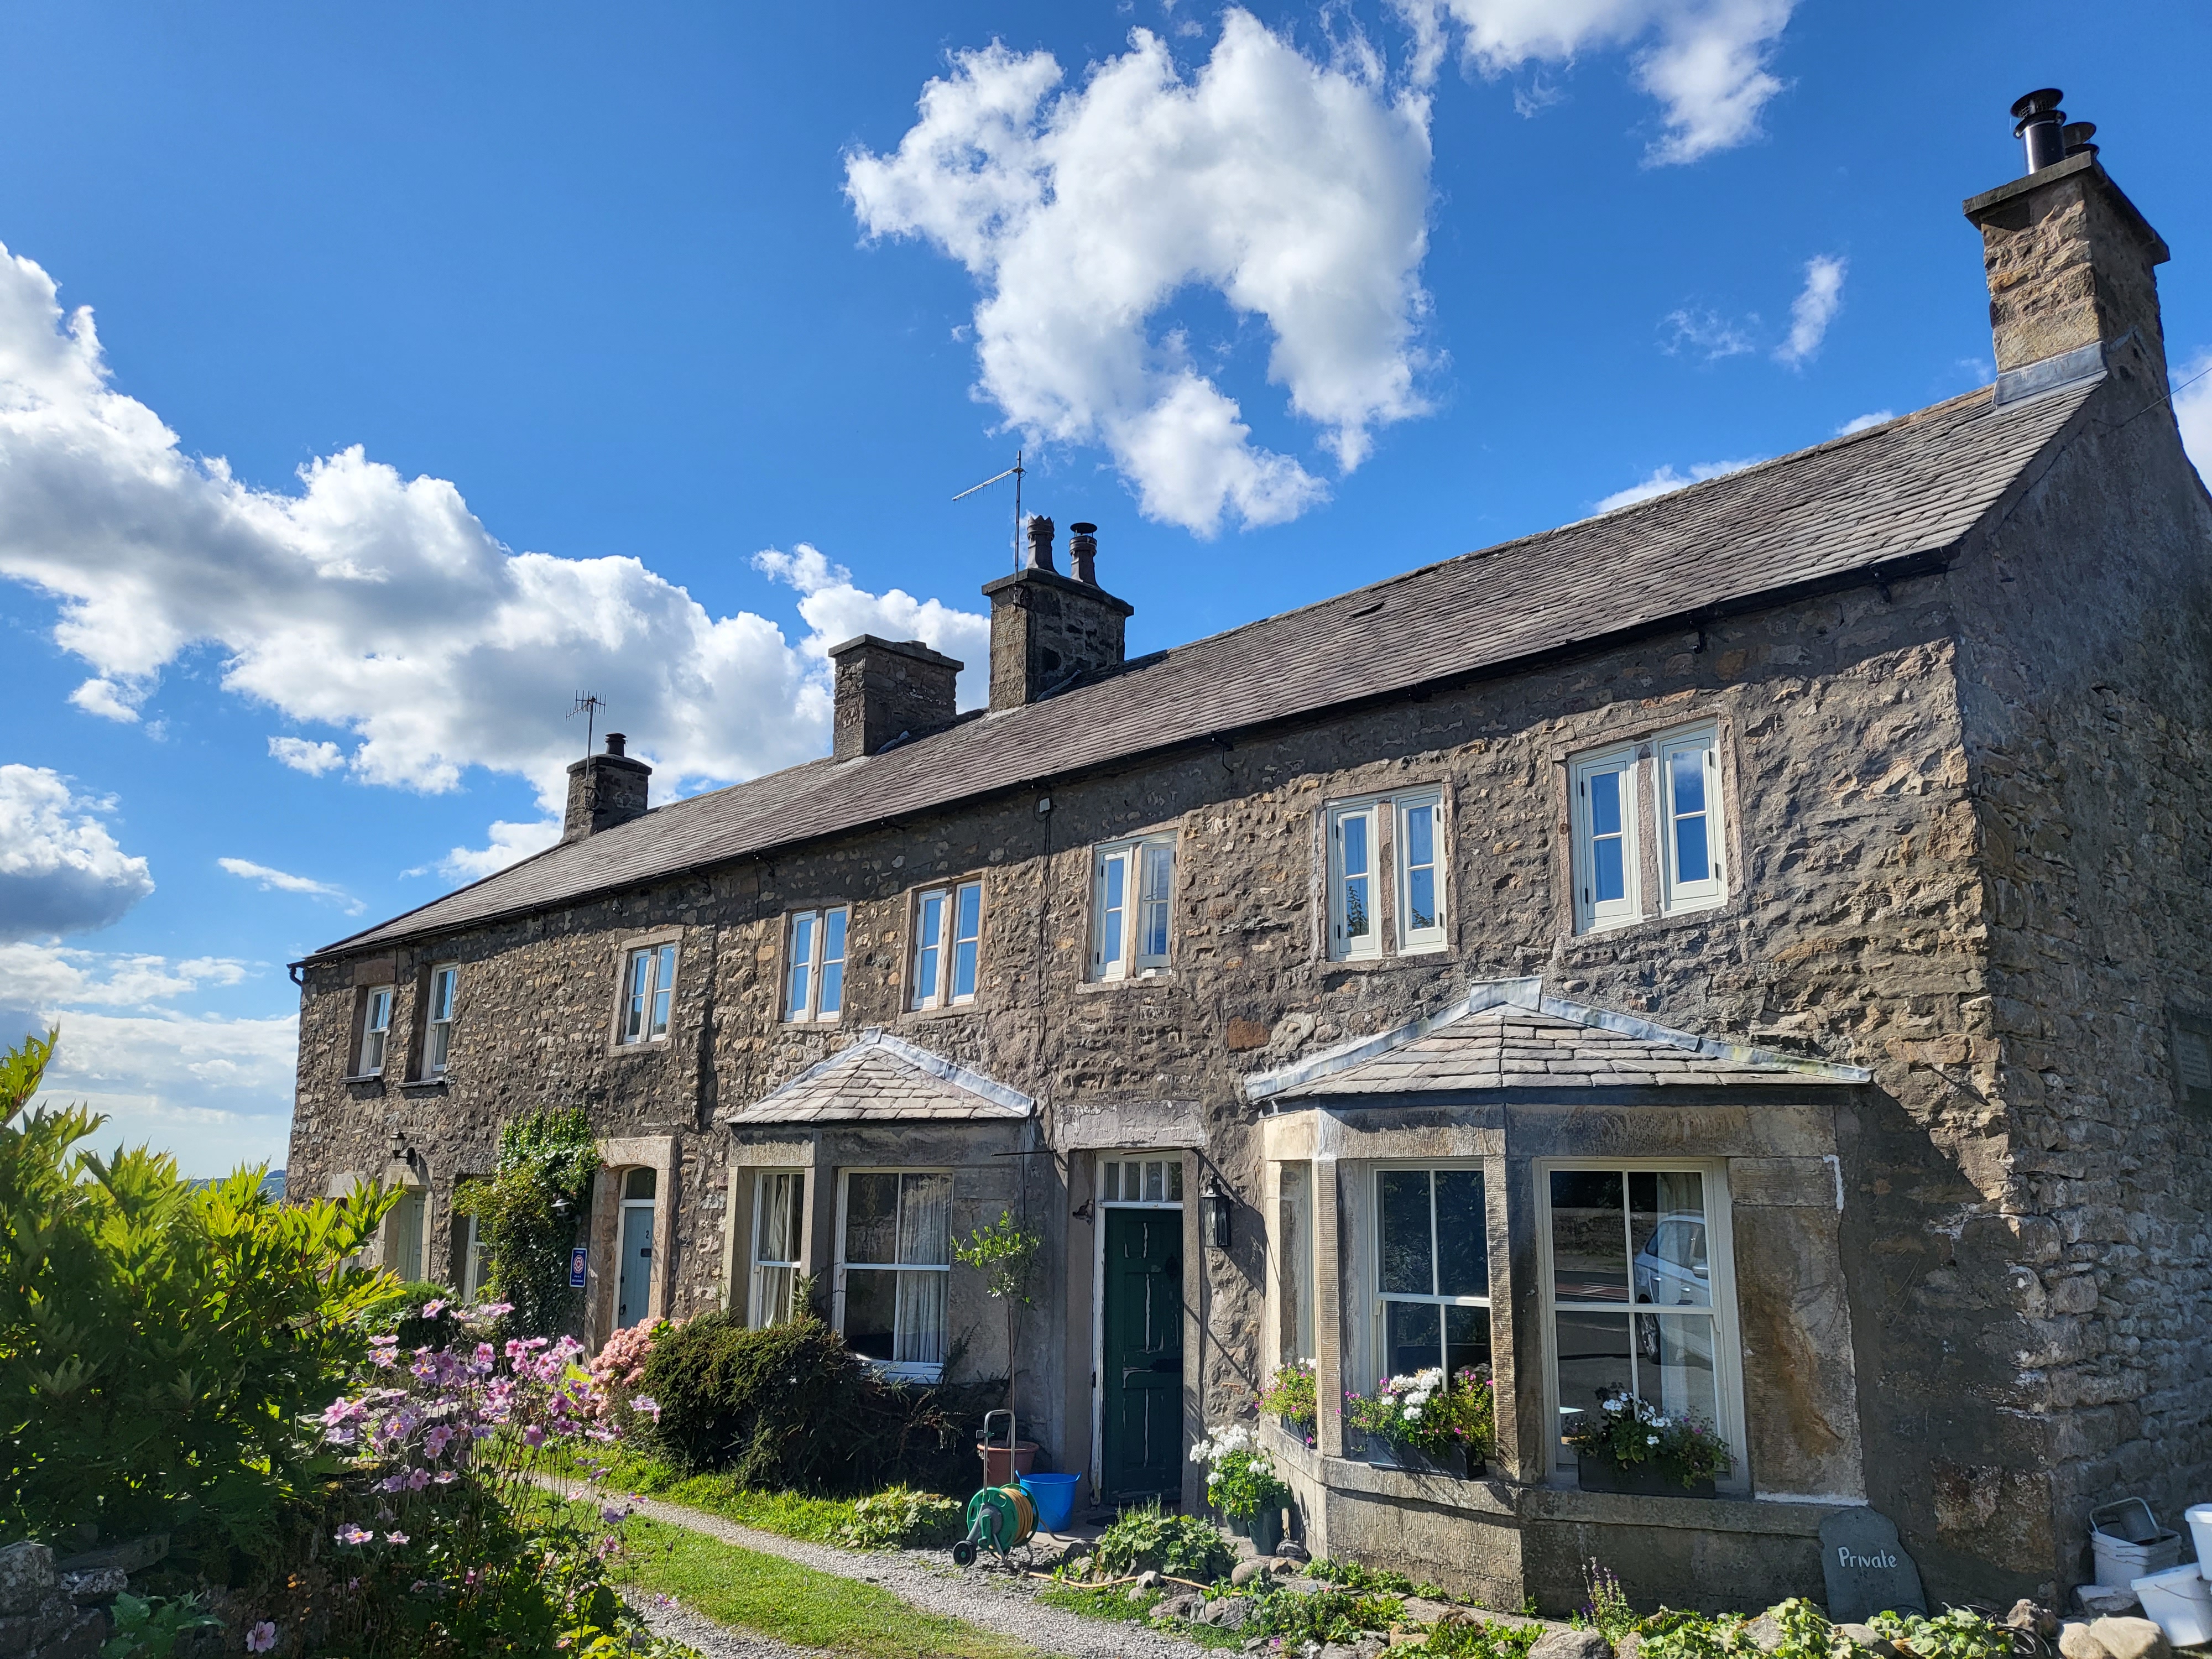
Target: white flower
point(1413, 1414)
point(1650, 1439)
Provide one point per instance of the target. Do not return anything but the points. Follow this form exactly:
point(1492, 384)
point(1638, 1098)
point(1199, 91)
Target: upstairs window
point(438, 1045)
point(948, 936)
point(1674, 785)
point(1367, 917)
point(814, 988)
point(375, 1031)
point(648, 982)
point(1133, 884)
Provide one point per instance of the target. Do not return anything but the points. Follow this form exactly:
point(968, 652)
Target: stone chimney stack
point(604, 791)
point(887, 689)
point(2071, 263)
point(1047, 629)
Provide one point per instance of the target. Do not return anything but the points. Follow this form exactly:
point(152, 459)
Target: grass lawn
point(793, 1515)
point(773, 1597)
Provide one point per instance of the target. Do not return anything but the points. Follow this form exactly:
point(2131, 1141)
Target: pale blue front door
point(634, 1290)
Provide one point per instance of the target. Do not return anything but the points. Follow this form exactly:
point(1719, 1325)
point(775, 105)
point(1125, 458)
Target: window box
point(1406, 1456)
point(1637, 1479)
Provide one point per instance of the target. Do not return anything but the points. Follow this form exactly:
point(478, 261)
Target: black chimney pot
point(1040, 543)
point(614, 741)
point(1082, 552)
point(2078, 135)
point(2039, 125)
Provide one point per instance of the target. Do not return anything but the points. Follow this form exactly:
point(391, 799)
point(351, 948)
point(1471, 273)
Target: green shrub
point(402, 1311)
point(1352, 1576)
point(1290, 1395)
point(529, 1215)
point(899, 1517)
point(1954, 1633)
point(159, 1341)
point(1457, 1637)
point(1329, 1615)
point(1148, 1540)
point(793, 1407)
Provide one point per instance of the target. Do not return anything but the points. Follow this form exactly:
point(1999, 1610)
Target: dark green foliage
point(159, 1341)
point(529, 1215)
point(793, 1408)
point(1352, 1576)
point(400, 1313)
point(1329, 1615)
point(1148, 1540)
point(1457, 1637)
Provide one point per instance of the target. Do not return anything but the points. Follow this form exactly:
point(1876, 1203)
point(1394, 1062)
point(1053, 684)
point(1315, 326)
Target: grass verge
point(1128, 1609)
point(780, 1599)
point(792, 1515)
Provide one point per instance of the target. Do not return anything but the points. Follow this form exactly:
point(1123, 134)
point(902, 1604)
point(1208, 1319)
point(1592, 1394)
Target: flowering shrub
point(1422, 1410)
point(899, 1517)
point(1290, 1395)
point(447, 1545)
point(619, 1369)
point(1240, 1478)
point(1627, 1430)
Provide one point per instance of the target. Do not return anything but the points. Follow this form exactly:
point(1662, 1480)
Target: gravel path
point(983, 1596)
point(714, 1641)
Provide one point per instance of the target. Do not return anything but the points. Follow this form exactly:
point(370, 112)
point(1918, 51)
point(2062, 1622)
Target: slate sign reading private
point(577, 1260)
point(1868, 1570)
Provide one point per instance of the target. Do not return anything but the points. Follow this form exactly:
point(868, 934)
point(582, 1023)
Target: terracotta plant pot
point(1640, 1479)
point(1003, 1463)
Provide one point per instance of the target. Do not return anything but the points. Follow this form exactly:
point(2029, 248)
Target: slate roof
point(1909, 489)
point(1506, 1033)
point(883, 1078)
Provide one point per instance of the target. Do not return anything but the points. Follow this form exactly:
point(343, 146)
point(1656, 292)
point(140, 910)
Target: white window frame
point(808, 935)
point(1167, 1166)
point(1431, 1167)
point(438, 1026)
point(1675, 896)
point(1411, 941)
point(1134, 863)
point(929, 1371)
point(473, 1245)
point(375, 1030)
point(1297, 1340)
point(647, 1007)
point(1592, 914)
point(758, 1314)
point(1343, 947)
point(937, 949)
point(1720, 1259)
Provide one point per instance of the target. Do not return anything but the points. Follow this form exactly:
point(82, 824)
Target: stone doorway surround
point(655, 1152)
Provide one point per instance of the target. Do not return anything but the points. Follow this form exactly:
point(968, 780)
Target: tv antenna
point(588, 706)
point(1014, 472)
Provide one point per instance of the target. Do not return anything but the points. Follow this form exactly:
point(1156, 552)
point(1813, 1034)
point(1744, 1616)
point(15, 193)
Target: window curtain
point(925, 1235)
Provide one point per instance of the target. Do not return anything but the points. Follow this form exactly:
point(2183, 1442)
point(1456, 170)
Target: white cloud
point(156, 1071)
point(109, 701)
point(835, 611)
point(363, 601)
point(60, 870)
point(1297, 191)
point(1706, 61)
point(1873, 417)
point(1708, 333)
point(509, 843)
point(278, 881)
point(2192, 411)
point(301, 756)
point(1666, 480)
point(1814, 309)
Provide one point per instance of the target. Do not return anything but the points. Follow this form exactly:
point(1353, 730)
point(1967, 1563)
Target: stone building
point(1751, 947)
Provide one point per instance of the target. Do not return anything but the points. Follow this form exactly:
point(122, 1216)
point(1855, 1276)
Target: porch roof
point(881, 1079)
point(1507, 1034)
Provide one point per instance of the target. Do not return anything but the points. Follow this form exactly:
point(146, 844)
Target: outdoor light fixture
point(1214, 1206)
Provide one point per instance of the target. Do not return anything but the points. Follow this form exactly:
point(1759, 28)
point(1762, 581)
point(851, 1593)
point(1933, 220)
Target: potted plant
point(1431, 1425)
point(1290, 1398)
point(1629, 1445)
point(1241, 1482)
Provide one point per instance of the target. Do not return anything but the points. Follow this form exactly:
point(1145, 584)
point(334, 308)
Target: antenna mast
point(1014, 472)
point(588, 706)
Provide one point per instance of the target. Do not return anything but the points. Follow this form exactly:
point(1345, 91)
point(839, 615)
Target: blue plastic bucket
point(1054, 1497)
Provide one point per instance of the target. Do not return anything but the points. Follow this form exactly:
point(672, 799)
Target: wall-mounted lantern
point(1213, 1207)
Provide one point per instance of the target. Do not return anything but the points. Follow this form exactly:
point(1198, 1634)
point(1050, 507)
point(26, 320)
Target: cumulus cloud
point(152, 1069)
point(1297, 191)
point(301, 756)
point(835, 610)
point(1860, 423)
point(510, 843)
point(2192, 409)
point(1813, 310)
point(61, 872)
point(1706, 61)
point(1667, 480)
point(363, 601)
point(109, 701)
point(278, 881)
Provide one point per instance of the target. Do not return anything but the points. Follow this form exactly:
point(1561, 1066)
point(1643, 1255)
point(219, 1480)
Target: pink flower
point(417, 1479)
point(353, 1534)
point(533, 1436)
point(395, 1538)
point(261, 1638)
point(648, 1405)
point(614, 1515)
point(435, 1442)
point(445, 1477)
point(433, 1308)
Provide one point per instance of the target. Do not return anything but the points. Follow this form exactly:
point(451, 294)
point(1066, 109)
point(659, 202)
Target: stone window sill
point(423, 1083)
point(363, 1076)
point(1158, 977)
point(636, 1051)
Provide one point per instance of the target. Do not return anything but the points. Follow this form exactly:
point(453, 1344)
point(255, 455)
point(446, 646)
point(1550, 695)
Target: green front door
point(1143, 1319)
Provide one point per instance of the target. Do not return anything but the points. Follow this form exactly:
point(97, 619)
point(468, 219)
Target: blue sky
point(449, 361)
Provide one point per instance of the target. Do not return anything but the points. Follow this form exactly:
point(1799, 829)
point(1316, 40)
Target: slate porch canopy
point(1507, 1034)
point(883, 1079)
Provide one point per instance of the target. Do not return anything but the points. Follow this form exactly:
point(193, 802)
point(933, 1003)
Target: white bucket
point(2200, 1529)
point(2181, 1601)
point(2129, 1544)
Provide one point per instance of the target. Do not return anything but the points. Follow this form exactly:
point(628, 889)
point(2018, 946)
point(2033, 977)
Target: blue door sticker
point(577, 1260)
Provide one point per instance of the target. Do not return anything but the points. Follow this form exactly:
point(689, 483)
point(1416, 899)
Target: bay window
point(894, 1262)
point(1432, 1269)
point(778, 1235)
